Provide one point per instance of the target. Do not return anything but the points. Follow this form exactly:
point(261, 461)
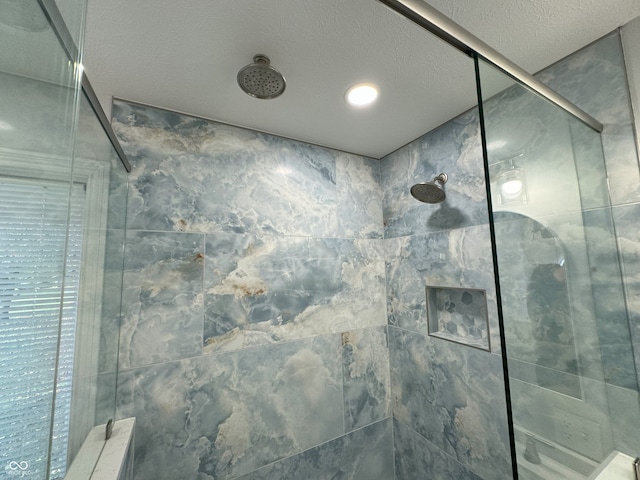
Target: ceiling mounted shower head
point(260, 79)
point(430, 192)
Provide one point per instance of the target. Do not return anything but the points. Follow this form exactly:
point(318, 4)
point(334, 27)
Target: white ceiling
point(184, 56)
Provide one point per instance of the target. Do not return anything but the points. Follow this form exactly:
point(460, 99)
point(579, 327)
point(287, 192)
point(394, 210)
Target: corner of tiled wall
point(448, 403)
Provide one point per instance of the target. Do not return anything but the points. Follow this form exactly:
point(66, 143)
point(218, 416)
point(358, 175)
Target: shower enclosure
point(566, 339)
point(61, 234)
point(566, 332)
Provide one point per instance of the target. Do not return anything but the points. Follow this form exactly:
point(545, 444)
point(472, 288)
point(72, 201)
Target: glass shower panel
point(565, 323)
point(39, 95)
point(97, 169)
point(73, 13)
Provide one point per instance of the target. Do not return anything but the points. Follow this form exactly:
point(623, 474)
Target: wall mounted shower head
point(260, 79)
point(430, 192)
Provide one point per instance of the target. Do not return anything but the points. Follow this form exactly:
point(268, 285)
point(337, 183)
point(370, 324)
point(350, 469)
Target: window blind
point(33, 231)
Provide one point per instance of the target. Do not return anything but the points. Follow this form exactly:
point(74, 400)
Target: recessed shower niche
point(458, 315)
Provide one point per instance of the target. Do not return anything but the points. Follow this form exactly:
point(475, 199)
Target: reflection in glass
point(535, 267)
point(62, 214)
point(511, 185)
point(561, 288)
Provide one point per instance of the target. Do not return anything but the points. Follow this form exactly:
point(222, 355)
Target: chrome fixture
point(423, 14)
point(260, 80)
point(430, 192)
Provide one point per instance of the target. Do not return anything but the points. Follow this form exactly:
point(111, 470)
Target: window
point(35, 209)
point(33, 221)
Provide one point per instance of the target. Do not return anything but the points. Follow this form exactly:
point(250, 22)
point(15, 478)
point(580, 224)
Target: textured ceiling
point(184, 56)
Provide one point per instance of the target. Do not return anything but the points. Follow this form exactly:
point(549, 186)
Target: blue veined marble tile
point(457, 258)
point(225, 415)
point(394, 178)
point(612, 320)
point(591, 170)
point(255, 286)
point(197, 175)
point(394, 170)
point(416, 458)
point(624, 411)
point(365, 367)
point(580, 78)
point(453, 396)
point(359, 197)
point(628, 231)
point(454, 149)
point(364, 454)
point(529, 120)
point(162, 312)
point(618, 143)
point(263, 289)
point(393, 247)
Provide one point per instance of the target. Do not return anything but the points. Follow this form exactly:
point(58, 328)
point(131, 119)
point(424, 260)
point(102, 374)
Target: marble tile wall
point(340, 458)
point(455, 149)
point(254, 309)
point(449, 418)
point(206, 177)
point(595, 79)
point(446, 392)
point(626, 219)
point(454, 412)
point(416, 458)
point(448, 245)
point(225, 415)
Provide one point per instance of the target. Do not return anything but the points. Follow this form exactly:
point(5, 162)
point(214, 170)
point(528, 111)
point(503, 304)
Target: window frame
point(95, 176)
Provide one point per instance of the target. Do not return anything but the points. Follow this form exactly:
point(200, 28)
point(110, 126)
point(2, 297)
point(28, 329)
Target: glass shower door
point(565, 326)
point(41, 210)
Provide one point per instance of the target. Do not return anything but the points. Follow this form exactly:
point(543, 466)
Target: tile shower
point(254, 309)
point(274, 317)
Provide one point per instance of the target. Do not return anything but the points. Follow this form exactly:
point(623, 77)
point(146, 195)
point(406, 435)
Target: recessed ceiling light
point(362, 94)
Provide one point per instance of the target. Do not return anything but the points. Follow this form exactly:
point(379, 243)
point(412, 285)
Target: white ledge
point(104, 460)
point(617, 466)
